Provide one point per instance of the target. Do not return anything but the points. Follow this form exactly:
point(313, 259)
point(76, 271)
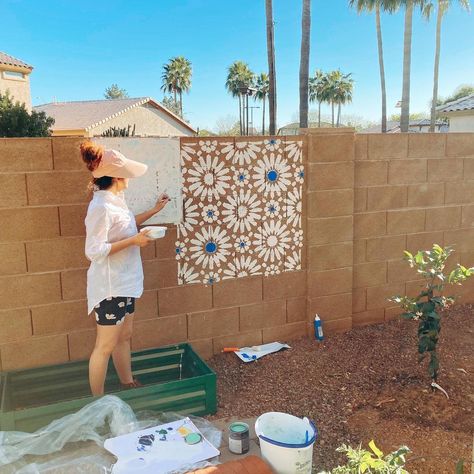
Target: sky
point(79, 48)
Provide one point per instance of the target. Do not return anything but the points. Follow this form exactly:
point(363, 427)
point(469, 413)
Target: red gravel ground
point(366, 384)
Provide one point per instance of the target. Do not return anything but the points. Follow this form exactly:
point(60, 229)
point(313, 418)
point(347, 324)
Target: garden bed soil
point(366, 384)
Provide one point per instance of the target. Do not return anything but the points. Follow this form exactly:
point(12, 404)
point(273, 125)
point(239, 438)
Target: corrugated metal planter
point(175, 379)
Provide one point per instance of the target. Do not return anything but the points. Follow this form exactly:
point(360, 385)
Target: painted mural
point(242, 209)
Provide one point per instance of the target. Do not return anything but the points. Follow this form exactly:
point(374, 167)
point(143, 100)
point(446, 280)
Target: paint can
point(239, 438)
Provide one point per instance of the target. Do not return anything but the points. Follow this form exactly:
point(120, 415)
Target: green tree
point(389, 6)
point(460, 91)
point(304, 62)
point(114, 92)
point(442, 8)
point(169, 103)
point(16, 121)
point(240, 79)
point(343, 94)
point(176, 79)
point(272, 95)
point(262, 85)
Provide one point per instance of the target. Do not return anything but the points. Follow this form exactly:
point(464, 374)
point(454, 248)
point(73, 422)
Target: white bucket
point(286, 442)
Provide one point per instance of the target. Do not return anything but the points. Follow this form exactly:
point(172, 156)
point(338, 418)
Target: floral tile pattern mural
point(242, 208)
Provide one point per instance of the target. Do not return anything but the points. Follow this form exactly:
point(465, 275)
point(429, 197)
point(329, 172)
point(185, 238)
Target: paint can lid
point(239, 427)
point(193, 438)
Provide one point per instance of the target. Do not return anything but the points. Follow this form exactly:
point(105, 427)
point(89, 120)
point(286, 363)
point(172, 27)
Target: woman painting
point(115, 275)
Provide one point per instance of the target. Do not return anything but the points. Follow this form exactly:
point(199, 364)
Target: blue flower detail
point(272, 175)
point(272, 141)
point(272, 209)
point(178, 250)
point(210, 247)
point(241, 177)
point(242, 244)
point(210, 213)
point(301, 174)
point(211, 281)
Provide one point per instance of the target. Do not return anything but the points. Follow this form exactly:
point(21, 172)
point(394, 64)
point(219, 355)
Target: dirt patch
point(366, 384)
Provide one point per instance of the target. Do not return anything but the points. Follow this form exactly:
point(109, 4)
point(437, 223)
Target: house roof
point(464, 103)
point(11, 61)
point(87, 114)
point(393, 126)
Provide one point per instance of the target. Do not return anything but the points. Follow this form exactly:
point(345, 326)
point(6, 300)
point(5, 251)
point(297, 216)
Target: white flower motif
point(191, 216)
point(208, 146)
point(273, 144)
point(272, 174)
point(243, 244)
point(121, 304)
point(298, 238)
point(294, 151)
point(180, 250)
point(209, 213)
point(273, 208)
point(211, 278)
point(129, 301)
point(186, 274)
point(210, 247)
point(293, 261)
point(272, 241)
point(243, 266)
point(242, 178)
point(299, 174)
point(271, 269)
point(110, 316)
point(187, 153)
point(208, 178)
point(119, 322)
point(242, 211)
point(294, 206)
point(242, 153)
point(96, 316)
point(108, 299)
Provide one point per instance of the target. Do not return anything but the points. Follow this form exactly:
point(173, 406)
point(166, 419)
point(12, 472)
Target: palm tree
point(272, 99)
point(343, 93)
point(304, 62)
point(388, 6)
point(405, 112)
point(443, 6)
point(261, 93)
point(239, 81)
point(332, 80)
point(176, 78)
point(318, 90)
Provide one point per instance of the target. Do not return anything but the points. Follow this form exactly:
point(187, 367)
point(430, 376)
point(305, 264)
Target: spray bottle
point(318, 328)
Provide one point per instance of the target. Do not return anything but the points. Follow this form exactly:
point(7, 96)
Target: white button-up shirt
point(109, 220)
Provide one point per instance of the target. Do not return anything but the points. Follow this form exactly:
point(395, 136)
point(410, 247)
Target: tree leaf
point(374, 448)
point(460, 467)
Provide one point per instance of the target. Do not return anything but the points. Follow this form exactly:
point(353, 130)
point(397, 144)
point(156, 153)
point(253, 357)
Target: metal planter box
point(175, 379)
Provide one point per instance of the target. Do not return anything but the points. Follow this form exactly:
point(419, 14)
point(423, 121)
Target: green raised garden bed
point(175, 379)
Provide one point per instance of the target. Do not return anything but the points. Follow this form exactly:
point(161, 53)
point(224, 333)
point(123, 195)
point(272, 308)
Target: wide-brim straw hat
point(116, 165)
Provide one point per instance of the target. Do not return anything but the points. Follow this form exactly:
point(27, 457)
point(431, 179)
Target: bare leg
point(121, 354)
point(106, 340)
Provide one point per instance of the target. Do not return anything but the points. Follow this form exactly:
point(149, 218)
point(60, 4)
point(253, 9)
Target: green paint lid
point(239, 427)
point(193, 438)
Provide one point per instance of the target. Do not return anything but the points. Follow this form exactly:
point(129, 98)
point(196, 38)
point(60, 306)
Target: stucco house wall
point(148, 120)
point(461, 122)
point(19, 86)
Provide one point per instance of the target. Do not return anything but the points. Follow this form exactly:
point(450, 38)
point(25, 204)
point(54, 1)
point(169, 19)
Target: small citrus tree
point(426, 307)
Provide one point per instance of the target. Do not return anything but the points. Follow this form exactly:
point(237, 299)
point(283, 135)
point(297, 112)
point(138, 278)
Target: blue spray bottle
point(318, 328)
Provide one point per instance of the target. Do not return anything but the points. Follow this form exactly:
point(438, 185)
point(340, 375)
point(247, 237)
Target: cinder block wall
point(368, 197)
point(43, 314)
point(410, 191)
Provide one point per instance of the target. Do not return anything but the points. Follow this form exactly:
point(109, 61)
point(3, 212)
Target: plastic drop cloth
point(74, 444)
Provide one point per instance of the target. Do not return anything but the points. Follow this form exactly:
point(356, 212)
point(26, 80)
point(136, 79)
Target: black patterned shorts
point(111, 311)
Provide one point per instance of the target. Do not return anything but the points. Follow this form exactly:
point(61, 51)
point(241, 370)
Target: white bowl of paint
point(155, 231)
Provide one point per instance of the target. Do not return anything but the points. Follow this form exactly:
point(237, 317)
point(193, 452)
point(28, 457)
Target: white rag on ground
point(249, 354)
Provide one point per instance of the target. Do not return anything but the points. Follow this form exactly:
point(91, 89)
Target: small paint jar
point(239, 438)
